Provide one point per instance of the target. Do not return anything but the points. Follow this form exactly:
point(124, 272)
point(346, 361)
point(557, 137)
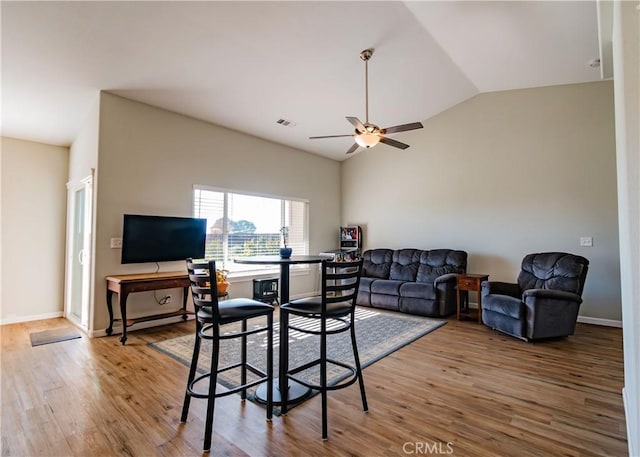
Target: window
point(242, 225)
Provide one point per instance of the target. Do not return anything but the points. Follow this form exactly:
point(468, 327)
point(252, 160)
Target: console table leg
point(109, 330)
point(123, 313)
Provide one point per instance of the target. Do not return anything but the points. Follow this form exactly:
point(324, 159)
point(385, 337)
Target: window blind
point(243, 225)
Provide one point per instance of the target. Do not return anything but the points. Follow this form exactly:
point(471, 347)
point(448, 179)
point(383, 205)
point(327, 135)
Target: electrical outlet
point(116, 243)
point(586, 241)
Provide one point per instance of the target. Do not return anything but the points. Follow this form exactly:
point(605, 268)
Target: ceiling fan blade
point(402, 128)
point(356, 123)
point(394, 143)
point(328, 136)
point(353, 148)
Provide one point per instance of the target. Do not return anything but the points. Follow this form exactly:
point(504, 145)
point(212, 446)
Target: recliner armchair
point(544, 303)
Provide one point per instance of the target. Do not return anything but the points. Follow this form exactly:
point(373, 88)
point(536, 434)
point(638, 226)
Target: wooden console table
point(470, 282)
point(123, 285)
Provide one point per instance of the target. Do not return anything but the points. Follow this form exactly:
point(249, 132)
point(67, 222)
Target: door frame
point(87, 271)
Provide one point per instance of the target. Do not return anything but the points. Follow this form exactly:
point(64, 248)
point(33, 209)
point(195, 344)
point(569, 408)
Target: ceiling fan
point(366, 134)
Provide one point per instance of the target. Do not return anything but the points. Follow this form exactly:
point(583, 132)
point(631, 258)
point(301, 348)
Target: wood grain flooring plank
point(462, 388)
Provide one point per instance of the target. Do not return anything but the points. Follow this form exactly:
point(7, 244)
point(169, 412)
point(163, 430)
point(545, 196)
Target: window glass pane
point(254, 225)
point(241, 225)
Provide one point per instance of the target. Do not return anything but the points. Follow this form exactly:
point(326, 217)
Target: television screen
point(161, 238)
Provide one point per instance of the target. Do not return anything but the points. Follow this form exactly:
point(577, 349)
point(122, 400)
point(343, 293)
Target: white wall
point(33, 196)
point(499, 176)
point(149, 160)
point(626, 69)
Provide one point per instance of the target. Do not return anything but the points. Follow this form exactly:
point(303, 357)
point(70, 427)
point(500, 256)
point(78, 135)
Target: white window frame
point(244, 270)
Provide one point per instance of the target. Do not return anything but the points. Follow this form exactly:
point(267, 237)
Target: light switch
point(116, 243)
point(586, 241)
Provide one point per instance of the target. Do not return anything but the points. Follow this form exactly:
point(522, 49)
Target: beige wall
point(626, 69)
point(499, 176)
point(84, 150)
point(34, 200)
point(149, 160)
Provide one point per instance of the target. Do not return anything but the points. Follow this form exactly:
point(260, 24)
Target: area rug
point(53, 336)
point(378, 334)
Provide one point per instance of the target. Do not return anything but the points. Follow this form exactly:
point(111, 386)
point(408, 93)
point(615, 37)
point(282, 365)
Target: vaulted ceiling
point(245, 65)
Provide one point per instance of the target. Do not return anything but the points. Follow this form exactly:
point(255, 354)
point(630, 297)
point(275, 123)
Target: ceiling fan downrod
point(366, 55)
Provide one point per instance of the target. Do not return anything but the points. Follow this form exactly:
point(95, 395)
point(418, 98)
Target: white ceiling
point(244, 65)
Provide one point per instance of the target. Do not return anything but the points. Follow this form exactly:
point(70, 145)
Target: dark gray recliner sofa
point(544, 303)
point(413, 281)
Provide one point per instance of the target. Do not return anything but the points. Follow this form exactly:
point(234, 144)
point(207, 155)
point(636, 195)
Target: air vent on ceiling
point(286, 123)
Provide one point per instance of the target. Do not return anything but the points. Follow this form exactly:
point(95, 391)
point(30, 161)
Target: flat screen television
point(162, 238)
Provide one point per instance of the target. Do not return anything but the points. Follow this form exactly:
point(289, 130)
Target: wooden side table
point(123, 285)
point(470, 282)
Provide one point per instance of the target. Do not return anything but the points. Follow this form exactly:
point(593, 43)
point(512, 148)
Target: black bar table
point(297, 392)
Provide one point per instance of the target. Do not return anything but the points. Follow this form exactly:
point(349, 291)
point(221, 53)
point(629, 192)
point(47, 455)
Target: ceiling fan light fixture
point(367, 140)
point(366, 134)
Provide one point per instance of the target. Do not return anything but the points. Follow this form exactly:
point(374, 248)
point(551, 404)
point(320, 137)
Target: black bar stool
point(211, 316)
point(336, 306)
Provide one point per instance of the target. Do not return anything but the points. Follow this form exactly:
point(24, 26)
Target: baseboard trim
point(171, 320)
point(34, 317)
point(599, 321)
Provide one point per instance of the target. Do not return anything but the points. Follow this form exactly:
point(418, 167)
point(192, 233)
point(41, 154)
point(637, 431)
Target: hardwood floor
point(463, 390)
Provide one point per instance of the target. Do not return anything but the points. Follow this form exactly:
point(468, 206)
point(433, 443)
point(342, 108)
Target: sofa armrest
point(549, 294)
point(445, 284)
point(500, 288)
point(445, 287)
point(449, 277)
point(550, 313)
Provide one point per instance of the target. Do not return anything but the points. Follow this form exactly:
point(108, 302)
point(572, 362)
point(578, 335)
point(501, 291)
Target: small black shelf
point(266, 290)
point(351, 238)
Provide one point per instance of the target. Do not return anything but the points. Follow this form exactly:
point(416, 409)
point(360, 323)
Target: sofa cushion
point(418, 290)
point(504, 323)
point(438, 262)
point(553, 270)
point(365, 284)
point(390, 302)
point(405, 264)
point(386, 287)
point(377, 263)
point(503, 304)
point(419, 306)
point(364, 298)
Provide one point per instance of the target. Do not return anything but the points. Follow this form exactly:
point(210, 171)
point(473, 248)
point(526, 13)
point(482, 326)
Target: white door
point(79, 253)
